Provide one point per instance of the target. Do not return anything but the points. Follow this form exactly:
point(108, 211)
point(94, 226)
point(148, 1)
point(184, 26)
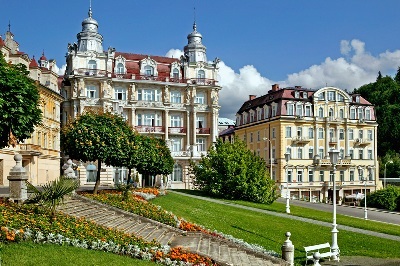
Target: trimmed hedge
point(388, 198)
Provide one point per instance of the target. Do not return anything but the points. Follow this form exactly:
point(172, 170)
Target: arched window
point(92, 64)
point(149, 70)
point(201, 76)
point(177, 173)
point(320, 112)
point(330, 112)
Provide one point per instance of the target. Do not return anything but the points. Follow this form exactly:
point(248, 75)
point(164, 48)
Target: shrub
point(388, 198)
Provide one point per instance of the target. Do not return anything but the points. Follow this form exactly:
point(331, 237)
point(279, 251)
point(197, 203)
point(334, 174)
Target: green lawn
point(24, 254)
point(268, 231)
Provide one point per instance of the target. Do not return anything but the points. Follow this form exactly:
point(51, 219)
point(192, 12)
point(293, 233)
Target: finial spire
point(9, 26)
point(90, 8)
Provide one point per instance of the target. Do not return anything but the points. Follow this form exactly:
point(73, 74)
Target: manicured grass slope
point(268, 231)
point(24, 254)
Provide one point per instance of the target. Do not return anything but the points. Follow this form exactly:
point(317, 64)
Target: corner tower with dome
point(169, 98)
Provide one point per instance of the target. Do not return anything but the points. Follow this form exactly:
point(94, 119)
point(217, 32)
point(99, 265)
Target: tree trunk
point(97, 184)
point(129, 176)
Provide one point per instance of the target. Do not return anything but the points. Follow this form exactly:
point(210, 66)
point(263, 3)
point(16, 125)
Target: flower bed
point(30, 223)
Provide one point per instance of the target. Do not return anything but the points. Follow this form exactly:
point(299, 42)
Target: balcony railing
point(199, 81)
point(203, 130)
point(30, 149)
point(362, 142)
point(149, 129)
point(176, 130)
point(202, 81)
point(300, 140)
point(90, 72)
point(180, 153)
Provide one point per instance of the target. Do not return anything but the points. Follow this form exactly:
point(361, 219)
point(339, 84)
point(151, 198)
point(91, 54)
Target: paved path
point(357, 212)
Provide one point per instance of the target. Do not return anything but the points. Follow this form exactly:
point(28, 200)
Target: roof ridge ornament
point(90, 9)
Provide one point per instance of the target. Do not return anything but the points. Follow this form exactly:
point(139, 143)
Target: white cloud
point(174, 53)
point(356, 68)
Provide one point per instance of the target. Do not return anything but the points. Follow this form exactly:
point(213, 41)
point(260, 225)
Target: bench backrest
point(317, 247)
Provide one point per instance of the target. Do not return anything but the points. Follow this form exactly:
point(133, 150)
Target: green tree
point(385, 95)
point(154, 158)
point(132, 153)
point(19, 104)
point(96, 136)
point(232, 171)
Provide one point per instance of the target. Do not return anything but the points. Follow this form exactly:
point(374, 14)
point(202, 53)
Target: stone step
point(166, 238)
point(75, 208)
point(224, 253)
point(147, 231)
point(156, 234)
point(137, 227)
point(100, 216)
point(105, 219)
point(204, 246)
point(116, 222)
point(83, 212)
point(129, 225)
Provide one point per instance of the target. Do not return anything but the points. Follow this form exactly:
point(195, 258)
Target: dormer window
point(175, 74)
point(305, 95)
point(297, 94)
point(149, 71)
point(357, 99)
point(120, 68)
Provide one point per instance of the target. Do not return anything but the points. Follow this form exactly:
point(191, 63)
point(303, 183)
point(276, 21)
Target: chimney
point(275, 87)
point(252, 97)
point(297, 87)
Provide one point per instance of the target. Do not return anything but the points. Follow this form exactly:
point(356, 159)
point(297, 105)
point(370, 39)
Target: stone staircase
point(222, 251)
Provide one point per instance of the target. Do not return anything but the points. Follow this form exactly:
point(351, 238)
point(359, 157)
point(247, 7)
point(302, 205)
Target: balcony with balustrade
point(149, 129)
point(203, 130)
point(300, 140)
point(177, 130)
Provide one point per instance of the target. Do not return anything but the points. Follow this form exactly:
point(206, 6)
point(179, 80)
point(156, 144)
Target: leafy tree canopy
point(232, 171)
point(385, 95)
point(19, 104)
point(100, 136)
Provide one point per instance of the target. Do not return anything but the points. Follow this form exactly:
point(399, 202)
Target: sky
point(308, 43)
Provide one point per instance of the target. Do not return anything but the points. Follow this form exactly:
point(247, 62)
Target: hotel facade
point(307, 124)
point(175, 99)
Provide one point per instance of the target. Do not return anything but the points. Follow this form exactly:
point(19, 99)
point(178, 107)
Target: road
point(373, 214)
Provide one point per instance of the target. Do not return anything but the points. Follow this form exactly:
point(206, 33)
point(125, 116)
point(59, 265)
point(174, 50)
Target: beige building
point(175, 99)
point(307, 124)
point(40, 153)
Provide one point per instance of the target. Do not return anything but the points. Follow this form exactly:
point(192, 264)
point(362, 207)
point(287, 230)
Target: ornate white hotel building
point(308, 124)
point(175, 99)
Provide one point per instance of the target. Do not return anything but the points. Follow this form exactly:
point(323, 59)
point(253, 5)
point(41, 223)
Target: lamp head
point(287, 156)
point(334, 156)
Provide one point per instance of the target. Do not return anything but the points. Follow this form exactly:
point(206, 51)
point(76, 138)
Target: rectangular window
point(321, 153)
point(290, 109)
point(289, 176)
point(299, 153)
point(310, 176)
point(176, 97)
point(176, 144)
point(370, 174)
point(321, 176)
point(331, 95)
point(274, 108)
point(351, 134)
point(370, 155)
point(342, 176)
point(331, 176)
point(201, 144)
point(310, 153)
point(341, 134)
point(299, 176)
point(352, 113)
point(251, 137)
point(369, 133)
point(351, 175)
point(368, 114)
point(341, 154)
point(120, 94)
point(258, 135)
point(299, 132)
point(310, 133)
point(360, 134)
point(149, 95)
point(320, 133)
point(266, 112)
point(289, 150)
point(299, 110)
point(288, 132)
point(351, 154)
point(360, 113)
point(308, 110)
point(259, 113)
point(200, 98)
point(273, 133)
point(176, 121)
point(201, 121)
point(91, 92)
point(360, 154)
point(273, 153)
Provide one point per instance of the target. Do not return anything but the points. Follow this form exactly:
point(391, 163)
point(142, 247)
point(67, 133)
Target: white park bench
point(321, 248)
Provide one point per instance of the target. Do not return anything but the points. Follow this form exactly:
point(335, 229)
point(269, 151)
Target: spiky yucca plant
point(51, 194)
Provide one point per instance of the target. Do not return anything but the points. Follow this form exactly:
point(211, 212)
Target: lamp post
point(384, 174)
point(270, 157)
point(362, 178)
point(334, 157)
point(287, 158)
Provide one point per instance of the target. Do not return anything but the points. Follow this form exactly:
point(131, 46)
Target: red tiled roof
point(2, 42)
point(33, 63)
point(43, 57)
point(138, 57)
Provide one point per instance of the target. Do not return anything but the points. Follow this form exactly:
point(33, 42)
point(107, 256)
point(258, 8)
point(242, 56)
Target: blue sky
point(311, 43)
